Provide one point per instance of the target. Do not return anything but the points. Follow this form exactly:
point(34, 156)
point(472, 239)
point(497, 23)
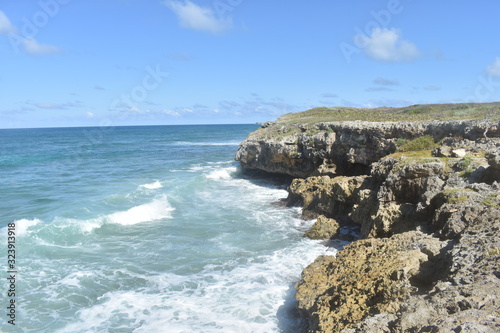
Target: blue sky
point(148, 62)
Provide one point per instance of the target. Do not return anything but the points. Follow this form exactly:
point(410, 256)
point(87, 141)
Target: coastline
point(426, 197)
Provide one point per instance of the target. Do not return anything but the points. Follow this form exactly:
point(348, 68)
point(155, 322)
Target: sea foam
point(152, 186)
point(23, 225)
point(152, 211)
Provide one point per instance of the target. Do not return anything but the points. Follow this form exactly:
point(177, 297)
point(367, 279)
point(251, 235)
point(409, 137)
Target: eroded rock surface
point(429, 254)
point(343, 148)
point(366, 278)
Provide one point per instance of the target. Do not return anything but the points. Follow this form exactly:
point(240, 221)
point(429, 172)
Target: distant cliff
point(426, 196)
point(343, 148)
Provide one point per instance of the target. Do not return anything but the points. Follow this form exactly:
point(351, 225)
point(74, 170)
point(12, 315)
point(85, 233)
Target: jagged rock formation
point(428, 258)
point(368, 277)
point(323, 228)
point(342, 148)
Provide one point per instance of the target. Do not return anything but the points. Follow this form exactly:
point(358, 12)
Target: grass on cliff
point(425, 142)
point(469, 111)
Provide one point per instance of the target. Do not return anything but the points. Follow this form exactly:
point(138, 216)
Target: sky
point(159, 62)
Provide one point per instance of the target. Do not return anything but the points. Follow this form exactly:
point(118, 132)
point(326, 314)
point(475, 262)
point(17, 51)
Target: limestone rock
point(343, 148)
point(464, 298)
point(323, 228)
point(460, 153)
point(326, 195)
point(396, 279)
point(443, 151)
point(367, 277)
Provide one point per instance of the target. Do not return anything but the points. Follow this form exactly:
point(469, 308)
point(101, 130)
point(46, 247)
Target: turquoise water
point(146, 229)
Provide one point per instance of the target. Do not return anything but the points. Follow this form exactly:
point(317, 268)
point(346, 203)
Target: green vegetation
point(416, 154)
point(400, 142)
point(425, 142)
point(472, 111)
point(457, 199)
point(456, 190)
point(456, 195)
point(492, 201)
point(466, 165)
point(494, 252)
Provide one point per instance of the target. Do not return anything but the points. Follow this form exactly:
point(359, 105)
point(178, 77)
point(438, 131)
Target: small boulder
point(459, 153)
point(443, 151)
point(323, 228)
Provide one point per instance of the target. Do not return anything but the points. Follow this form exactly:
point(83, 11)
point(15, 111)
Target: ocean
point(145, 229)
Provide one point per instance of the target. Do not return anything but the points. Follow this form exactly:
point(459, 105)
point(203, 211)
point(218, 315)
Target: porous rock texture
point(332, 148)
point(429, 254)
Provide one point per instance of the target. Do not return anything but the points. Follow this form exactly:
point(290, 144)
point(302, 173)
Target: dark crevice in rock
point(429, 221)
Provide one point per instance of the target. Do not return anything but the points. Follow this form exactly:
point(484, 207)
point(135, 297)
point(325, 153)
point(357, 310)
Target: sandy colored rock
point(367, 277)
point(430, 222)
point(323, 228)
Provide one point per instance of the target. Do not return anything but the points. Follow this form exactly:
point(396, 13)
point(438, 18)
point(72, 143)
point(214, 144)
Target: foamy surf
point(23, 225)
point(152, 186)
point(186, 143)
point(61, 230)
point(209, 301)
point(156, 210)
point(105, 251)
point(223, 173)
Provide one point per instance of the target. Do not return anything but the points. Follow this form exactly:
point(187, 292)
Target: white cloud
point(31, 46)
point(171, 113)
point(57, 106)
point(494, 68)
point(90, 115)
point(195, 17)
point(5, 26)
point(387, 45)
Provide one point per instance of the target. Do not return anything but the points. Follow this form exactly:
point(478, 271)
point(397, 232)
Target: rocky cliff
point(332, 148)
point(427, 199)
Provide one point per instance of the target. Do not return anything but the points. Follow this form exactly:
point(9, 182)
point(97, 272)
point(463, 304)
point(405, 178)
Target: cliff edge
point(426, 196)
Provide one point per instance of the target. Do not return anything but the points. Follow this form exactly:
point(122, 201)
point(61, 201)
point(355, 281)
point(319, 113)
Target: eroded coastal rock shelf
point(422, 183)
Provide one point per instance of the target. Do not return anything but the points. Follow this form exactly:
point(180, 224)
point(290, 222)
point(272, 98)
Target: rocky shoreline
point(426, 196)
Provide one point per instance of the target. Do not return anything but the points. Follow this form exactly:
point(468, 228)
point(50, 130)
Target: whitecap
point(220, 174)
point(263, 284)
point(23, 225)
point(152, 211)
point(187, 143)
point(152, 186)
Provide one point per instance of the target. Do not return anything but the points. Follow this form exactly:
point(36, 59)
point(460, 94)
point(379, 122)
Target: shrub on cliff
point(425, 142)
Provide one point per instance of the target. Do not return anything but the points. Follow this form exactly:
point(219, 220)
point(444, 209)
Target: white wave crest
point(220, 174)
point(187, 143)
point(23, 225)
point(152, 211)
point(152, 186)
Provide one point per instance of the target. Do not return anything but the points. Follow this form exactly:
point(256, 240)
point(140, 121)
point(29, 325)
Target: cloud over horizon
point(388, 45)
point(193, 16)
point(29, 44)
point(494, 68)
point(6, 26)
point(33, 47)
